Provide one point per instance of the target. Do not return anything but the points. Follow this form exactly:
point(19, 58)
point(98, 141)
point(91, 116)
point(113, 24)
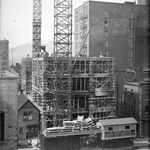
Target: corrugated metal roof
point(117, 121)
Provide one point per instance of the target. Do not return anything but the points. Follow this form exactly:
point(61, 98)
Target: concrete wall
point(8, 105)
point(24, 123)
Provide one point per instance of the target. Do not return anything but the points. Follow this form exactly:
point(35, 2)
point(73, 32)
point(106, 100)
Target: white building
point(118, 128)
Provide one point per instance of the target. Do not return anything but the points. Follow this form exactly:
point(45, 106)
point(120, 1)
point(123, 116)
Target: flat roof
point(132, 83)
point(119, 121)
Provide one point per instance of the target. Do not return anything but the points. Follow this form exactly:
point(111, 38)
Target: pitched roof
point(22, 99)
point(118, 121)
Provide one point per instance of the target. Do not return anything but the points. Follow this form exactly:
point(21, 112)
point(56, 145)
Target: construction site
point(71, 92)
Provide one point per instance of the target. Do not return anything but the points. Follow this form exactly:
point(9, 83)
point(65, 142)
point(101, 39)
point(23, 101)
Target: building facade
point(28, 120)
point(4, 55)
point(8, 111)
point(118, 30)
point(118, 128)
point(136, 104)
point(26, 75)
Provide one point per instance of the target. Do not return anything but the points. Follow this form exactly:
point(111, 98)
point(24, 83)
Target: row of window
point(111, 128)
point(28, 115)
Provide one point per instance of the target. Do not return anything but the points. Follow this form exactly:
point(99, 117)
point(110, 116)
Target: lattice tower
point(62, 54)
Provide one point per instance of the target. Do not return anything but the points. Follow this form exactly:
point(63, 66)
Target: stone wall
point(8, 105)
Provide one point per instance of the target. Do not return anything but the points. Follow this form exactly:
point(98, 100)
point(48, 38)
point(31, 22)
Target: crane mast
point(62, 56)
point(36, 28)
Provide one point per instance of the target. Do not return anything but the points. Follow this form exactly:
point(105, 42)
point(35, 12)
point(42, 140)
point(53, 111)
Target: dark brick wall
point(118, 32)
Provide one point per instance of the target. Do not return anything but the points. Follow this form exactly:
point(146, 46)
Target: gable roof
point(22, 100)
point(119, 121)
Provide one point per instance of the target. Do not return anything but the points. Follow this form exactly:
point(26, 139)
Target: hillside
point(21, 51)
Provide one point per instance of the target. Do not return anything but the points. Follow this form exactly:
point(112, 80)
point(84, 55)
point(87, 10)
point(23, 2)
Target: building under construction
point(26, 75)
point(65, 87)
point(92, 87)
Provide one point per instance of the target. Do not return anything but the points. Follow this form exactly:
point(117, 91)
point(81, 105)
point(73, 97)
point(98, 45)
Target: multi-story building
point(4, 55)
point(28, 120)
point(8, 111)
point(93, 91)
point(26, 74)
point(136, 104)
point(118, 30)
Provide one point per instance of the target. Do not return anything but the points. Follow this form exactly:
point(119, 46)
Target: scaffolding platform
point(75, 133)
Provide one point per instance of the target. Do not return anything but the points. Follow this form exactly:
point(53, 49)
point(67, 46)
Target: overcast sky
point(17, 20)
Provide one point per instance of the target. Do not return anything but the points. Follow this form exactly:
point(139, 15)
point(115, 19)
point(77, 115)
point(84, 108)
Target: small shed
point(118, 128)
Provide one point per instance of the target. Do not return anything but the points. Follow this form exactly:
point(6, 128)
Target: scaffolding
point(64, 87)
point(92, 90)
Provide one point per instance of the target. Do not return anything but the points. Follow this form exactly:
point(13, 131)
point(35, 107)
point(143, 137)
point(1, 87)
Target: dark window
point(81, 102)
point(28, 115)
point(105, 21)
point(110, 128)
point(127, 127)
point(2, 131)
point(21, 130)
point(32, 131)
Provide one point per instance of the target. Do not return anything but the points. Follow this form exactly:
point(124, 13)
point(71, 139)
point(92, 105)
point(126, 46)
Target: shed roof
point(119, 121)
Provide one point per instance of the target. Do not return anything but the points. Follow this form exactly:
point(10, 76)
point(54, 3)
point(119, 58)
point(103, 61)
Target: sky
point(17, 20)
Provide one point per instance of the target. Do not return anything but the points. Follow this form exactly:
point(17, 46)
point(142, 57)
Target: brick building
point(8, 111)
point(137, 104)
point(4, 55)
point(28, 120)
point(119, 30)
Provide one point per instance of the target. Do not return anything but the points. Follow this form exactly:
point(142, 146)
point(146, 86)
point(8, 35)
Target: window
point(110, 128)
point(28, 115)
point(21, 130)
point(2, 130)
point(32, 131)
point(130, 24)
point(127, 127)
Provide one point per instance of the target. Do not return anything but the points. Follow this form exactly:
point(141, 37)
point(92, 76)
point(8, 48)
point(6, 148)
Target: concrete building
point(8, 111)
point(137, 104)
point(4, 55)
point(26, 75)
point(119, 30)
point(28, 120)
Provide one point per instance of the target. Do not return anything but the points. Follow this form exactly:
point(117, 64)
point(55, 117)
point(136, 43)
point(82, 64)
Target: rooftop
point(22, 99)
point(8, 74)
point(119, 121)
